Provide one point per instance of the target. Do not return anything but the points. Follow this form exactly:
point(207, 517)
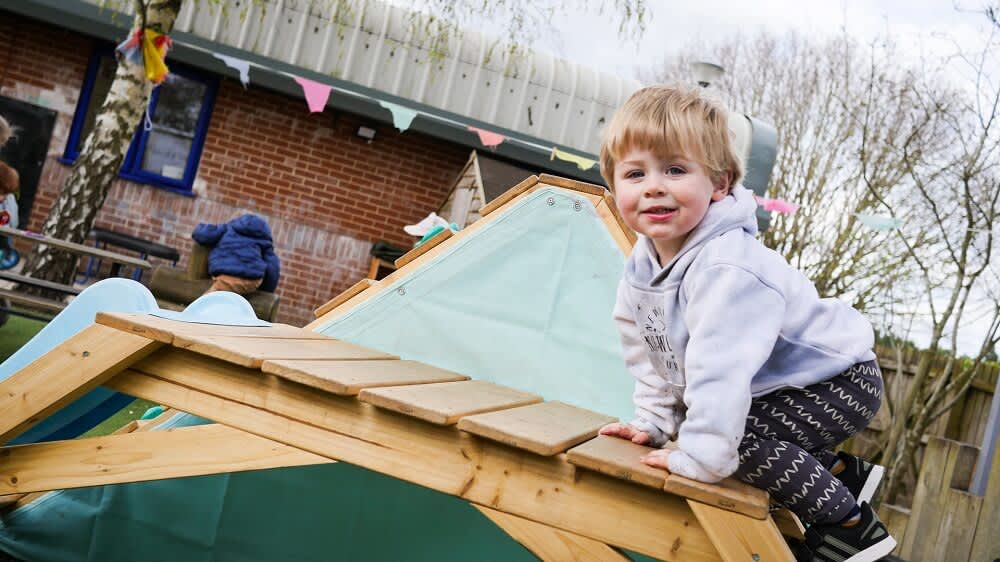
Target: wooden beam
point(544, 489)
point(423, 248)
point(550, 544)
point(508, 196)
point(581, 186)
point(740, 538)
point(347, 295)
point(140, 456)
point(165, 330)
point(75, 367)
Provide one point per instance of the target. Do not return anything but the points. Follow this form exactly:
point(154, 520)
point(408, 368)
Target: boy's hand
point(625, 431)
point(657, 458)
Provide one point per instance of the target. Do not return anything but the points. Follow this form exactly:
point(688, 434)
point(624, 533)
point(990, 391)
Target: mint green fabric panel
point(316, 513)
point(525, 301)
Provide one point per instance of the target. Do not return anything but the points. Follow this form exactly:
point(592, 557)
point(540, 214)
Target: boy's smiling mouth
point(659, 213)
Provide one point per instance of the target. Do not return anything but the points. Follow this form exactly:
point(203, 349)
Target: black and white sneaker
point(861, 477)
point(867, 541)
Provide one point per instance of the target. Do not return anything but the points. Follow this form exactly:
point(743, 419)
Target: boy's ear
point(723, 185)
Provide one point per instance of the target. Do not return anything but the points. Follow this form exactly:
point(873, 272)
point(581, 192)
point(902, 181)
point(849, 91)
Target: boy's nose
point(655, 187)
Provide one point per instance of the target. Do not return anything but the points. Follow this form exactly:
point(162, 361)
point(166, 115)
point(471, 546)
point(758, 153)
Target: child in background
point(242, 258)
point(9, 187)
point(733, 352)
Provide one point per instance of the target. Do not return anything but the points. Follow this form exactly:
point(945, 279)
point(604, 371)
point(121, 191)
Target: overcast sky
point(915, 25)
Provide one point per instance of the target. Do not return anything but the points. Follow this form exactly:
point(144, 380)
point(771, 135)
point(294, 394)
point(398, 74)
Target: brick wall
point(326, 193)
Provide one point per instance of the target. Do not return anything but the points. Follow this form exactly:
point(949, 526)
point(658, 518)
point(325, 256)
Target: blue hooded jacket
point(241, 247)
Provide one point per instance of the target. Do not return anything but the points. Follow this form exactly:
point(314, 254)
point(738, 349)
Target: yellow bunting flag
point(580, 161)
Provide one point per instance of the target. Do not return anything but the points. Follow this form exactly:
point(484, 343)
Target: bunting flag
point(239, 65)
point(149, 48)
point(402, 117)
point(878, 222)
point(779, 206)
point(316, 93)
point(580, 161)
point(488, 138)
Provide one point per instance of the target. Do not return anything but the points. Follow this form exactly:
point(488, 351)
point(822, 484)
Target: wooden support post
point(73, 368)
point(740, 538)
point(550, 544)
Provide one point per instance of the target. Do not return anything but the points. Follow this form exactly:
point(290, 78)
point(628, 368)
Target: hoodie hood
point(738, 210)
point(252, 226)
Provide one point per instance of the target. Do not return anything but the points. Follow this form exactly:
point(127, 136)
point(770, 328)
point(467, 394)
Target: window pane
point(174, 120)
point(102, 83)
point(179, 103)
point(166, 153)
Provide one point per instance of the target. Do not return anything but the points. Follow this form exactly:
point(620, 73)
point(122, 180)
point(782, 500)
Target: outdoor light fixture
point(366, 133)
point(706, 73)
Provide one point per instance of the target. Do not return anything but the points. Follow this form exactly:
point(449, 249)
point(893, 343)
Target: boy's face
point(664, 199)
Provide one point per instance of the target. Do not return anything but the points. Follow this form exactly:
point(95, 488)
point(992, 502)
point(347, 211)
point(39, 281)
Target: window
point(167, 146)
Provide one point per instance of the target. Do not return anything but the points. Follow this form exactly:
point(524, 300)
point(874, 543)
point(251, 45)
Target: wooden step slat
point(350, 377)
point(544, 429)
point(253, 351)
point(423, 248)
point(619, 458)
point(351, 292)
point(446, 403)
point(165, 330)
point(729, 494)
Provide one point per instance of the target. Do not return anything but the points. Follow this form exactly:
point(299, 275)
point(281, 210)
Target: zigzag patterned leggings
point(786, 449)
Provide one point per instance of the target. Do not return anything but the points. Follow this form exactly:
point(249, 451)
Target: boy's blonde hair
point(672, 121)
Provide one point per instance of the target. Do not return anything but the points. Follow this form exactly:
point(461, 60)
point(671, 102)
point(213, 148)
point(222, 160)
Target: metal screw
point(86, 354)
point(756, 557)
point(401, 291)
point(577, 206)
point(551, 201)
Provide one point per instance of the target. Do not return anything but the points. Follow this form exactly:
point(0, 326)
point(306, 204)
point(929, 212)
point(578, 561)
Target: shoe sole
point(875, 552)
point(871, 484)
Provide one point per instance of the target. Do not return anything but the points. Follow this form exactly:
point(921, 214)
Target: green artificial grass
point(133, 411)
point(15, 333)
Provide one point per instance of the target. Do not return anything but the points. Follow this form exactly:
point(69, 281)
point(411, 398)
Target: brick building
point(327, 192)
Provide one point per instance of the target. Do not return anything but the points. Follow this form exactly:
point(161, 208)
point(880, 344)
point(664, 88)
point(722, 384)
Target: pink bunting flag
point(316, 93)
point(776, 205)
point(488, 138)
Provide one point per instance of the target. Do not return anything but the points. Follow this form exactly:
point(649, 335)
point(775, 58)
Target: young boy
point(733, 352)
point(242, 258)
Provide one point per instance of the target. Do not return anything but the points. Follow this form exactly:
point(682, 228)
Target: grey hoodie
point(725, 320)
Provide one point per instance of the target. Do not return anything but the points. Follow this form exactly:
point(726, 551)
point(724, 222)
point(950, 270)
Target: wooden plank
point(550, 544)
point(544, 489)
point(895, 519)
point(740, 538)
point(73, 368)
point(957, 526)
point(582, 187)
point(347, 295)
point(608, 210)
point(729, 494)
point(32, 301)
point(508, 196)
point(142, 456)
point(789, 525)
point(934, 481)
point(423, 248)
point(446, 402)
point(75, 248)
point(618, 458)
point(544, 429)
point(350, 377)
point(18, 278)
point(985, 545)
point(164, 330)
point(253, 351)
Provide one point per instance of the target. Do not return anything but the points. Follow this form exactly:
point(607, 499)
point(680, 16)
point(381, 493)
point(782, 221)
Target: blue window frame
point(167, 146)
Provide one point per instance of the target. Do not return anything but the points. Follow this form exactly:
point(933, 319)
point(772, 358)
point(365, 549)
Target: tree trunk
point(72, 216)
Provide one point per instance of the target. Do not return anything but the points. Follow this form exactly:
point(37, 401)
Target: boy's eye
point(633, 174)
point(675, 171)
